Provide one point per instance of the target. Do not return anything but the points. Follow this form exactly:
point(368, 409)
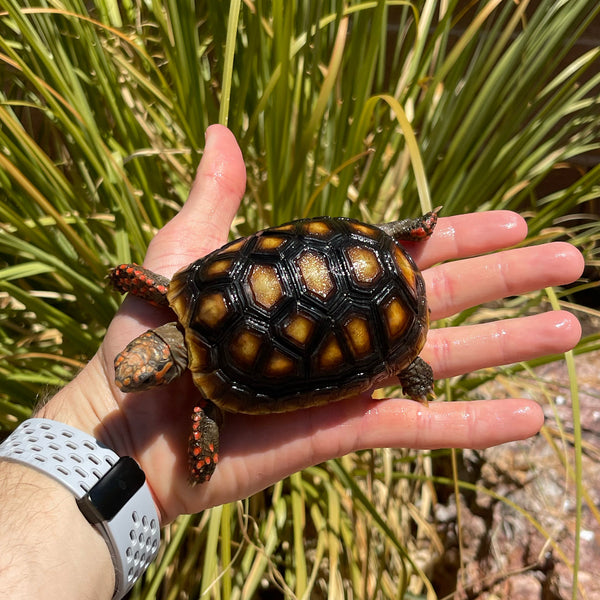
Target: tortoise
point(302, 314)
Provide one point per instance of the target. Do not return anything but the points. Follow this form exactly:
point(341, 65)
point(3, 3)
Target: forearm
point(47, 548)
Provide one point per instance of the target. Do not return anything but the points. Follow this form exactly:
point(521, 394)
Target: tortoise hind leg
point(203, 448)
point(417, 381)
point(412, 230)
point(139, 281)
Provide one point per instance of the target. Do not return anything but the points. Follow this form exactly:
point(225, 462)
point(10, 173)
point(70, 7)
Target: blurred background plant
point(366, 109)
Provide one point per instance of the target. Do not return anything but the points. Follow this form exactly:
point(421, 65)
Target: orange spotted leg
point(139, 281)
point(156, 358)
point(203, 452)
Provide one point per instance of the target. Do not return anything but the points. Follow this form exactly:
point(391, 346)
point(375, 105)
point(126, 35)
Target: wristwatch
point(110, 491)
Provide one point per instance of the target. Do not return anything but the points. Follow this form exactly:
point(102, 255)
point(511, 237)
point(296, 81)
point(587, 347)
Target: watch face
point(113, 491)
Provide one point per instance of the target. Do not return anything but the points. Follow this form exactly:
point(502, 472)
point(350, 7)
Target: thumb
point(203, 223)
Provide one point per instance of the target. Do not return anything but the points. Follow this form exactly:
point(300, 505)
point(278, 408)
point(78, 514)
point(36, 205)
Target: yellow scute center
point(317, 228)
point(364, 263)
point(269, 242)
point(245, 347)
point(219, 267)
point(212, 309)
point(299, 329)
point(265, 285)
point(314, 270)
point(358, 335)
point(279, 365)
point(396, 318)
point(405, 267)
point(331, 356)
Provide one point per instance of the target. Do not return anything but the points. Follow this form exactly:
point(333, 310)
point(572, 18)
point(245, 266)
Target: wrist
point(47, 548)
point(110, 492)
point(83, 402)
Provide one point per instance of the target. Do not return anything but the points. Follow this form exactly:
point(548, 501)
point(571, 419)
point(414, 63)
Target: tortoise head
point(154, 358)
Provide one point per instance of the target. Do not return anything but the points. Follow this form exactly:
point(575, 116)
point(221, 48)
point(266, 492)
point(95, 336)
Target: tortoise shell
point(301, 314)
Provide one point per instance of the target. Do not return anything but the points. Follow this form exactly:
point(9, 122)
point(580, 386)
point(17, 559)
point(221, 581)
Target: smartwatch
point(110, 491)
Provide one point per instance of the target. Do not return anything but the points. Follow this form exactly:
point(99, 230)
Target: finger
point(478, 424)
point(457, 350)
point(260, 450)
point(203, 223)
point(455, 286)
point(461, 236)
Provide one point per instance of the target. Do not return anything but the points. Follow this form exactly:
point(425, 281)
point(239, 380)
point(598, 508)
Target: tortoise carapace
point(306, 313)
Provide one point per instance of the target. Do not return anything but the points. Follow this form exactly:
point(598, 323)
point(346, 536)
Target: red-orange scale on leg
point(138, 281)
point(203, 444)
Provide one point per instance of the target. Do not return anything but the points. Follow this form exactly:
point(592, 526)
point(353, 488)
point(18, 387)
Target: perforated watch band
point(110, 491)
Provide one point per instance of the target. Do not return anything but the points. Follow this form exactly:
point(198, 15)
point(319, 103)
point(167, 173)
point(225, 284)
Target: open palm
point(256, 451)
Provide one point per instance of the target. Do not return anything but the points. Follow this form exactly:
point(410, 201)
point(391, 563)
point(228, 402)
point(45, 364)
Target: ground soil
point(527, 554)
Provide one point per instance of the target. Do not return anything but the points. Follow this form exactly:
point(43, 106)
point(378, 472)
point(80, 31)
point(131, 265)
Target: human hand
point(257, 451)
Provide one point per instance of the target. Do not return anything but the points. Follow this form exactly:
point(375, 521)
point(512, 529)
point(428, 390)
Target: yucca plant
point(351, 108)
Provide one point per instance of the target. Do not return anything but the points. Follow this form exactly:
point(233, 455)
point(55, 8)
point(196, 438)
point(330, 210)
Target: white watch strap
point(78, 461)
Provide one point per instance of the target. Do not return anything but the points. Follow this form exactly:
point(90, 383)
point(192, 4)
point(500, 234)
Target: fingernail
point(210, 132)
point(207, 136)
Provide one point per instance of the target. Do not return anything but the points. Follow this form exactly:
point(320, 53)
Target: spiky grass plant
point(364, 109)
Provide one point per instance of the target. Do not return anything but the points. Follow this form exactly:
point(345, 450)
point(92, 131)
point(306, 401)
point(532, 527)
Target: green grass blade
point(230, 42)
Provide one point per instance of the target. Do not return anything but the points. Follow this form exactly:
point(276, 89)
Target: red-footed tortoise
point(310, 312)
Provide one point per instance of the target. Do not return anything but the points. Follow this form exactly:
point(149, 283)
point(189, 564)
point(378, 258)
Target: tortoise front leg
point(139, 281)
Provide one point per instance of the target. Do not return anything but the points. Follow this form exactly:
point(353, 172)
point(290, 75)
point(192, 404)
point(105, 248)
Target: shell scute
point(315, 274)
point(397, 318)
point(365, 267)
point(318, 229)
point(406, 268)
point(212, 310)
point(265, 284)
point(298, 327)
point(358, 337)
point(363, 230)
point(281, 364)
point(202, 359)
point(271, 244)
point(244, 348)
point(329, 357)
